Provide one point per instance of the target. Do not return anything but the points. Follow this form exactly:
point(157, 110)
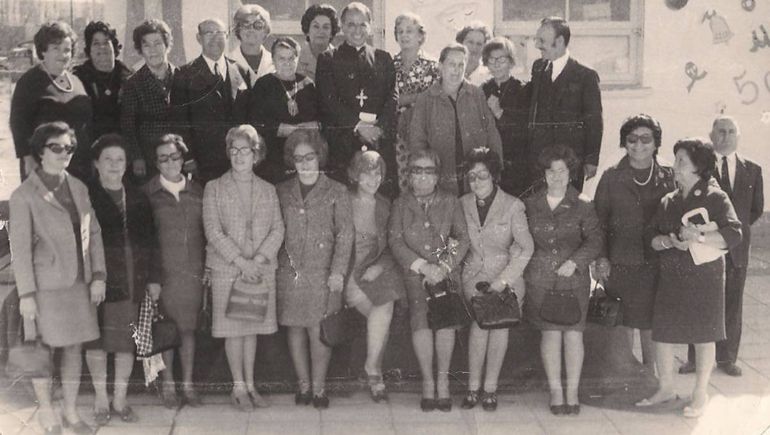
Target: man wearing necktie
point(357, 96)
point(208, 92)
point(565, 105)
point(741, 179)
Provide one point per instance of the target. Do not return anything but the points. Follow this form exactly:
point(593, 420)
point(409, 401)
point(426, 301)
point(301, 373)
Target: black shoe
point(572, 409)
point(303, 398)
point(444, 405)
point(687, 368)
point(489, 401)
point(731, 369)
point(427, 405)
point(558, 409)
point(321, 401)
point(471, 399)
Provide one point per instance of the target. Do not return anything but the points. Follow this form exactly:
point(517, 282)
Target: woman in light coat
point(252, 27)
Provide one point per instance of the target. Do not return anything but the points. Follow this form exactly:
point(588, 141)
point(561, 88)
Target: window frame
point(632, 29)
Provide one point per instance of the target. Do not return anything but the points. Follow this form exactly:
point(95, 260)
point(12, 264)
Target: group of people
point(272, 172)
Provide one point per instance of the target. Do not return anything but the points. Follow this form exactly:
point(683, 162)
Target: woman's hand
point(98, 289)
point(154, 290)
point(28, 308)
point(682, 245)
point(602, 268)
point(567, 268)
point(497, 285)
point(335, 282)
point(372, 273)
point(689, 232)
point(432, 273)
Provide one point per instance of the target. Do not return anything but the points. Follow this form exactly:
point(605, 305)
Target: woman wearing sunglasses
point(52, 216)
point(178, 216)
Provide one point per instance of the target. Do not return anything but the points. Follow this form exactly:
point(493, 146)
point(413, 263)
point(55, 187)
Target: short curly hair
point(424, 153)
point(414, 19)
point(485, 156)
point(365, 161)
point(245, 11)
point(43, 132)
point(285, 42)
point(171, 139)
point(105, 141)
point(474, 26)
point(554, 153)
point(250, 134)
point(356, 6)
point(452, 46)
point(152, 26)
point(316, 10)
point(641, 120)
point(95, 27)
point(701, 154)
point(53, 32)
point(305, 136)
point(498, 43)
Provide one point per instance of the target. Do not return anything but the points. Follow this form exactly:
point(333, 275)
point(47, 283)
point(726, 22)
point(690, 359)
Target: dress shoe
point(558, 409)
point(471, 399)
point(687, 368)
point(427, 405)
point(731, 369)
point(303, 398)
point(489, 401)
point(572, 409)
point(101, 416)
point(321, 401)
point(126, 414)
point(444, 405)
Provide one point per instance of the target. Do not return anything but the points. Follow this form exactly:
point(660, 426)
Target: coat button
point(302, 211)
point(426, 224)
point(555, 251)
point(426, 247)
point(320, 245)
point(551, 241)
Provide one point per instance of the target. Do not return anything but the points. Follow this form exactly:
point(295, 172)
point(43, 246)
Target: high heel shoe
point(303, 398)
point(377, 389)
point(191, 398)
point(257, 400)
point(444, 405)
point(572, 409)
point(427, 404)
point(240, 400)
point(321, 400)
point(690, 411)
point(79, 427)
point(471, 399)
point(489, 401)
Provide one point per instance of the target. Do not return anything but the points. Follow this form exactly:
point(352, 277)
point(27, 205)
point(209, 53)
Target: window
point(606, 34)
point(286, 16)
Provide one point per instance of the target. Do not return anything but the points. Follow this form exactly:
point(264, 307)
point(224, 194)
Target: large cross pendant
point(361, 97)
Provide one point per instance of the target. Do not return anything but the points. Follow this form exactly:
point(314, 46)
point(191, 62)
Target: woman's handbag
point(28, 356)
point(495, 310)
point(604, 308)
point(337, 328)
point(446, 308)
point(561, 307)
point(205, 318)
point(165, 334)
point(248, 300)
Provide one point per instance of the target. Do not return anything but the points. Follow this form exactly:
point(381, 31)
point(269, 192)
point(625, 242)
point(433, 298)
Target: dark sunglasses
point(645, 139)
point(163, 158)
point(481, 175)
point(58, 148)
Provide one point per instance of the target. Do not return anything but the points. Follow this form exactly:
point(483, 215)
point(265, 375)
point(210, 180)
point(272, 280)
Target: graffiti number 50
point(747, 86)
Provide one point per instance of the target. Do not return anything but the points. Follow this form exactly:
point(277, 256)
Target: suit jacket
point(341, 74)
point(502, 247)
point(568, 111)
point(42, 241)
point(748, 199)
point(569, 232)
point(225, 220)
point(141, 236)
point(208, 108)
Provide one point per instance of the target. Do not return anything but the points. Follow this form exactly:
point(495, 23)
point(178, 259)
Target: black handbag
point(337, 328)
point(495, 310)
point(28, 357)
point(165, 333)
point(561, 307)
point(604, 308)
point(446, 308)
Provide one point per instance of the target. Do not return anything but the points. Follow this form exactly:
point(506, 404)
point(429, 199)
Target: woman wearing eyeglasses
point(314, 260)
point(244, 230)
point(58, 263)
point(252, 27)
point(626, 199)
point(178, 216)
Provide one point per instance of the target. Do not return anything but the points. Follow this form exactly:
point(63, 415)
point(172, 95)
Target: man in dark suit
point(357, 90)
point(565, 106)
point(208, 92)
point(741, 179)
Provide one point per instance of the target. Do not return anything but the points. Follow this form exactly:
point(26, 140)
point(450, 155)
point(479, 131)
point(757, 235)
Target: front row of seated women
point(314, 244)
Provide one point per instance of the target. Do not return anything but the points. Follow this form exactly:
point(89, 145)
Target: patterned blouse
point(419, 77)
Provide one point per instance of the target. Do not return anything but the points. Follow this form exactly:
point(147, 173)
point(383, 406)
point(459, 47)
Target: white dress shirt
point(558, 65)
point(731, 167)
point(221, 65)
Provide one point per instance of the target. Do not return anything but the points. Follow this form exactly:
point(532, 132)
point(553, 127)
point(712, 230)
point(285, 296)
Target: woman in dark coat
point(429, 239)
point(374, 280)
point(567, 239)
point(130, 252)
point(278, 104)
point(178, 214)
point(103, 76)
point(626, 199)
point(508, 103)
point(48, 92)
point(695, 221)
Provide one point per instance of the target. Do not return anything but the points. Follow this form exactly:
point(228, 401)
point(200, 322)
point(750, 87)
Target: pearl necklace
point(649, 177)
point(55, 81)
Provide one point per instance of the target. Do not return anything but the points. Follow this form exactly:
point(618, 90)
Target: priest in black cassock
point(357, 93)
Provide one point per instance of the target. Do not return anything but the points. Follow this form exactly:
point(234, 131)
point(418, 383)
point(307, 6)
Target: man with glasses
point(566, 105)
point(357, 92)
point(207, 92)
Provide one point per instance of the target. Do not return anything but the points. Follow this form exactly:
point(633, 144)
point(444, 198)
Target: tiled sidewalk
point(737, 406)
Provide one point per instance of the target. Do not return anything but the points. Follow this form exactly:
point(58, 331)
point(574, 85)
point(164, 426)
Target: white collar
point(221, 62)
point(173, 187)
point(730, 157)
point(559, 64)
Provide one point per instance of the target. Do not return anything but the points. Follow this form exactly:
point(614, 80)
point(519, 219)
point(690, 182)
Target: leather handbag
point(165, 333)
point(495, 310)
point(338, 327)
point(248, 300)
point(604, 308)
point(446, 308)
point(561, 307)
point(205, 318)
point(28, 357)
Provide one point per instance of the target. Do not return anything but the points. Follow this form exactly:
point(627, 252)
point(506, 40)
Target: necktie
point(548, 72)
point(725, 176)
point(216, 71)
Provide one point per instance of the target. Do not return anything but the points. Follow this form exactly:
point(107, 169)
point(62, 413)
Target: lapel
point(561, 83)
point(232, 189)
point(237, 82)
point(318, 193)
point(413, 205)
point(382, 212)
point(469, 203)
point(79, 196)
point(44, 193)
point(203, 79)
point(739, 185)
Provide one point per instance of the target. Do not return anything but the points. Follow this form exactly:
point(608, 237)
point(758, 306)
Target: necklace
point(64, 77)
point(291, 103)
point(649, 177)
